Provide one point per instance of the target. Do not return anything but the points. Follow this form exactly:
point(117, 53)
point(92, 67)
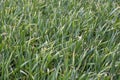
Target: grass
point(59, 40)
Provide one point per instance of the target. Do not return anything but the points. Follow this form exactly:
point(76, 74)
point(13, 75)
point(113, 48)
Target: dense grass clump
point(59, 39)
